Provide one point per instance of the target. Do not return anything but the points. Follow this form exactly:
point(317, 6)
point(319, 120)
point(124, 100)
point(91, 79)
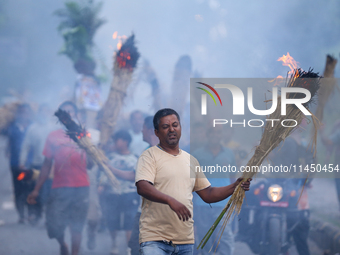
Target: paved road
point(18, 239)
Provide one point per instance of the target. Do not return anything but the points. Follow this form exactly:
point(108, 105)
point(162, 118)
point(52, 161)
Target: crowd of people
point(155, 207)
point(69, 191)
point(63, 188)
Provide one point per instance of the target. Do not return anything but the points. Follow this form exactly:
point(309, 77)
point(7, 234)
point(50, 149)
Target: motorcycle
point(265, 219)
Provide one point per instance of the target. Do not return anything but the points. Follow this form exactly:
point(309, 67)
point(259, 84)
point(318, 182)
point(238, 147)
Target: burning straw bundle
point(271, 138)
point(7, 115)
point(327, 86)
point(81, 137)
point(124, 63)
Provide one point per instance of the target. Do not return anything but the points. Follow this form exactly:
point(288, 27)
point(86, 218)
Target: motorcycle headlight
point(275, 192)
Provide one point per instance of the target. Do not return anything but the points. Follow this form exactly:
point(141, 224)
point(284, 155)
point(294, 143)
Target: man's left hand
point(244, 184)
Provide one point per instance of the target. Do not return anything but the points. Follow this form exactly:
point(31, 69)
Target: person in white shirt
point(138, 145)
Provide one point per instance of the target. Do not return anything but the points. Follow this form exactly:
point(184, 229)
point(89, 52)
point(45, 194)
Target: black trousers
point(21, 190)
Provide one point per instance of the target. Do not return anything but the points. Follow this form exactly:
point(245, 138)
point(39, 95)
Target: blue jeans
point(165, 248)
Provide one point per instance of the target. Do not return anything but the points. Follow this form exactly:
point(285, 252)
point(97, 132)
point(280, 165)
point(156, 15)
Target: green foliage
point(79, 23)
point(76, 45)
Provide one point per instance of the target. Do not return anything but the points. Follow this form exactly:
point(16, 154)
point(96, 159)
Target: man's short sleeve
point(201, 182)
point(49, 149)
point(146, 168)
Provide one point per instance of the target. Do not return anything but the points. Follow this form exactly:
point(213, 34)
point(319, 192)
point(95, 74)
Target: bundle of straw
point(7, 115)
point(125, 61)
point(82, 139)
point(327, 86)
point(271, 138)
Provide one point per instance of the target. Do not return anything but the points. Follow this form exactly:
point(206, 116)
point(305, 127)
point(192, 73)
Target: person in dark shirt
point(16, 134)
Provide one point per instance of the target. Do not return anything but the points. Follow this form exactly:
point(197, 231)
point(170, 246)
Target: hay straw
point(271, 138)
point(98, 156)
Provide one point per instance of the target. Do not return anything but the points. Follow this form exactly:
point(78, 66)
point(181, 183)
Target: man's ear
point(156, 133)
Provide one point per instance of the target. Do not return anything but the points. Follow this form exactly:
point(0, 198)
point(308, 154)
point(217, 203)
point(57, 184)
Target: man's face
point(169, 130)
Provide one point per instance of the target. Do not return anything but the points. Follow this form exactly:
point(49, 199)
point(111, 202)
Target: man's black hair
point(70, 103)
point(148, 122)
point(162, 113)
point(122, 134)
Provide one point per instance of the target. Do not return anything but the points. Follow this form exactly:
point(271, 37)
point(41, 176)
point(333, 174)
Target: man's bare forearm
point(126, 175)
point(44, 173)
point(147, 190)
point(216, 194)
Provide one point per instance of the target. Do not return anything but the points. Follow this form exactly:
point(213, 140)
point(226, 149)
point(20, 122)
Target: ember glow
point(82, 134)
point(21, 176)
point(122, 59)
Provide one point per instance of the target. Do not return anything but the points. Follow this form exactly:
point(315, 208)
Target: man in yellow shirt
point(166, 178)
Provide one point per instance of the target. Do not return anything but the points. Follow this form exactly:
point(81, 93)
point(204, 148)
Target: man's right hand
point(31, 199)
point(147, 190)
point(182, 212)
